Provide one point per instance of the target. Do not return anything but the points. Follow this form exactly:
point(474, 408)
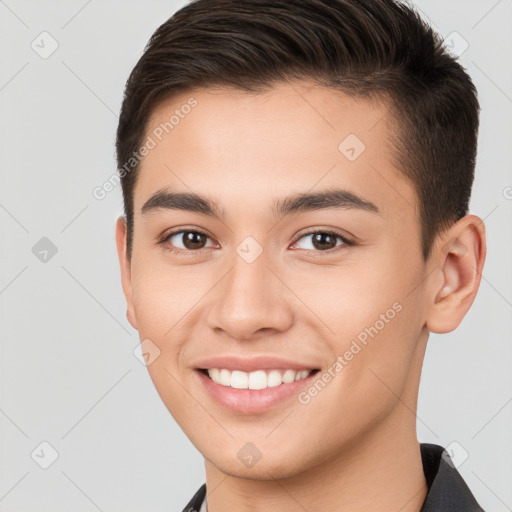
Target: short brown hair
point(372, 48)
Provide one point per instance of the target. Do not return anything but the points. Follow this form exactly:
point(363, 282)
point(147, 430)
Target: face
point(309, 259)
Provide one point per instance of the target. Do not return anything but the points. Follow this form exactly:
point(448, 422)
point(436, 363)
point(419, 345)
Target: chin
point(263, 470)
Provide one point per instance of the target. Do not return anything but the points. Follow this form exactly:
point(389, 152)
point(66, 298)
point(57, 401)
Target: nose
point(251, 300)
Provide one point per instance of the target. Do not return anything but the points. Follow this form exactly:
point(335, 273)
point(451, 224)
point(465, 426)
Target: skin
point(353, 447)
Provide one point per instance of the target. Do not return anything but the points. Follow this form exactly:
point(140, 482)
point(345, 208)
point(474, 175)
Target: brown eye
point(193, 240)
point(323, 241)
point(186, 241)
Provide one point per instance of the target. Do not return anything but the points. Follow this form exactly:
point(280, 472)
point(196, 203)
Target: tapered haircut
point(376, 49)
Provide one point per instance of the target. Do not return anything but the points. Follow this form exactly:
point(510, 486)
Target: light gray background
point(68, 373)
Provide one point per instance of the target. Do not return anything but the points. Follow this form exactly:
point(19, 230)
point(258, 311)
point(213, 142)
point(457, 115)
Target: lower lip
point(252, 401)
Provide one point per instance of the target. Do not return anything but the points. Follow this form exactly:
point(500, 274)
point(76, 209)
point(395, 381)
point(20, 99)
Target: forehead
point(230, 144)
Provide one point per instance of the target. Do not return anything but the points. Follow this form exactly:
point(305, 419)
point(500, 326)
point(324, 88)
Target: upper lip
point(249, 364)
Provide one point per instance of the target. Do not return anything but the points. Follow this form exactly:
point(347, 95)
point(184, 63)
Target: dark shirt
point(447, 491)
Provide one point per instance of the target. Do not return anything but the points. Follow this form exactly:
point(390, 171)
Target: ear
point(126, 273)
point(460, 260)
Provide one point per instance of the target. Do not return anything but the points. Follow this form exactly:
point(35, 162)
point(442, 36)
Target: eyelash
point(346, 242)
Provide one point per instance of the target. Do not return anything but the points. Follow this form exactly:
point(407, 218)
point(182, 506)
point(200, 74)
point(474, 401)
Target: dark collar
point(197, 500)
point(447, 491)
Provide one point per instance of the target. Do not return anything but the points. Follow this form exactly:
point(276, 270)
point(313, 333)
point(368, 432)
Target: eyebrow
point(297, 203)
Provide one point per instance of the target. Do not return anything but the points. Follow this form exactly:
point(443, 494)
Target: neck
point(384, 473)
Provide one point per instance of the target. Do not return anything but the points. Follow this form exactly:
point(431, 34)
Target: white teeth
point(289, 376)
point(274, 378)
point(258, 379)
point(224, 378)
point(239, 380)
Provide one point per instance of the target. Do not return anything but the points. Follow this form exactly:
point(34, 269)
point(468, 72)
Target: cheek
point(159, 310)
point(349, 299)
point(371, 323)
point(163, 304)
point(160, 299)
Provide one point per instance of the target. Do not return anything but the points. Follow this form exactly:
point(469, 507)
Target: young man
point(296, 178)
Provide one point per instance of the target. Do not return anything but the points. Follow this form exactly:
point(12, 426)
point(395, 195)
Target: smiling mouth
point(256, 380)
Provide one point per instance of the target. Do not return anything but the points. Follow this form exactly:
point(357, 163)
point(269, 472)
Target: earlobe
point(461, 260)
point(125, 267)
